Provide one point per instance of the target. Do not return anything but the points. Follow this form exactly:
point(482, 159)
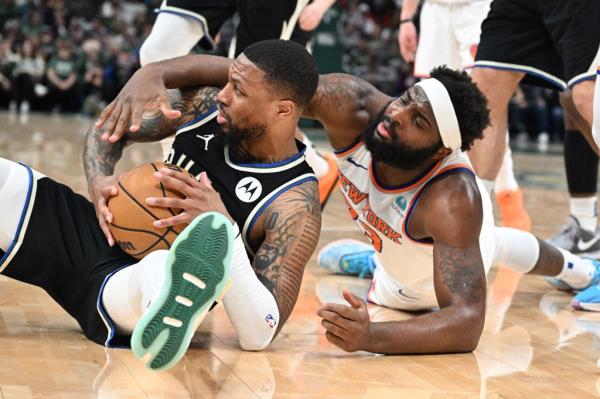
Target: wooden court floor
point(533, 346)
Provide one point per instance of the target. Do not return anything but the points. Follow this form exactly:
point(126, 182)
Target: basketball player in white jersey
point(411, 190)
point(449, 35)
point(251, 176)
point(181, 24)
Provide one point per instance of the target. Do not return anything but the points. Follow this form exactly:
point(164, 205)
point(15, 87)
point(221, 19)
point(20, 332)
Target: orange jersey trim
point(349, 151)
point(402, 189)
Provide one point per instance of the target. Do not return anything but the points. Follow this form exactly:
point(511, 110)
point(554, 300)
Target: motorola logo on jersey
point(248, 189)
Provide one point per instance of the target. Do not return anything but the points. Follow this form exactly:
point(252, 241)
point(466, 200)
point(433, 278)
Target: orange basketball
point(132, 218)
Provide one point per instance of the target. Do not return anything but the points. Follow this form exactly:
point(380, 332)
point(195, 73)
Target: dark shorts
point(259, 19)
point(555, 42)
point(64, 252)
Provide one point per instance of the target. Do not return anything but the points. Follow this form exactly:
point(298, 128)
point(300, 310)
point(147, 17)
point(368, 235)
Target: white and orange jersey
point(382, 213)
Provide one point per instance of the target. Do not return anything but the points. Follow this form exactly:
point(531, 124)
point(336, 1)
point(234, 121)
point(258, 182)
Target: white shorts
point(449, 35)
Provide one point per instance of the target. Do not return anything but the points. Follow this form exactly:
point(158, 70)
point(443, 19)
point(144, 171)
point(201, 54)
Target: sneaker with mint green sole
point(196, 275)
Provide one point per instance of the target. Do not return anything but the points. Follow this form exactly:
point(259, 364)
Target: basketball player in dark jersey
point(411, 190)
point(250, 173)
point(181, 24)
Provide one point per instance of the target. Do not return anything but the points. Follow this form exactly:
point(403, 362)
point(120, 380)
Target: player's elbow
point(470, 326)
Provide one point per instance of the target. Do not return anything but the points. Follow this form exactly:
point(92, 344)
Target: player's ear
point(442, 152)
point(285, 108)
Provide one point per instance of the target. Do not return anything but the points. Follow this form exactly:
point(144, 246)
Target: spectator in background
point(28, 73)
point(368, 32)
point(93, 78)
point(8, 60)
point(62, 77)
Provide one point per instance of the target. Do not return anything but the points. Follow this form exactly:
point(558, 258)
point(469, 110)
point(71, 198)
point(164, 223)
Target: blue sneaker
point(588, 299)
point(347, 256)
point(196, 275)
point(563, 286)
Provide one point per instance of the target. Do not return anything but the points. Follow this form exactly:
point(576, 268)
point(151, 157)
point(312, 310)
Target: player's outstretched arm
point(292, 226)
point(263, 294)
point(146, 91)
point(453, 219)
point(345, 105)
point(100, 156)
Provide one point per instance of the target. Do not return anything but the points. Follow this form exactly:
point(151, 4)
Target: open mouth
point(221, 118)
point(383, 132)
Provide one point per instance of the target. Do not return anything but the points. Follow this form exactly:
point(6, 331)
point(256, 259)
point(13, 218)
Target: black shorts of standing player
point(259, 19)
point(555, 42)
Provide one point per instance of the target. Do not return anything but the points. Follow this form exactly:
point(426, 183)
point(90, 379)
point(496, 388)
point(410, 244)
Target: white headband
point(443, 111)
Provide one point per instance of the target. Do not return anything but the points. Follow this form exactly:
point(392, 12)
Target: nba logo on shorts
point(270, 320)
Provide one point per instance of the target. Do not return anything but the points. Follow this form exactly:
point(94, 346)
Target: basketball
point(132, 218)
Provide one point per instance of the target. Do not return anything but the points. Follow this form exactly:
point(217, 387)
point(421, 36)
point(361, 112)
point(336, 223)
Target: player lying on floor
point(249, 169)
point(409, 187)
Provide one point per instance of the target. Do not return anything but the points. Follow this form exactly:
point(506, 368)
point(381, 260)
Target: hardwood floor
point(533, 344)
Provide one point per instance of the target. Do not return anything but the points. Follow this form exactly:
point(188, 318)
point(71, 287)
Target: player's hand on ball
point(199, 197)
point(144, 92)
point(101, 189)
point(347, 327)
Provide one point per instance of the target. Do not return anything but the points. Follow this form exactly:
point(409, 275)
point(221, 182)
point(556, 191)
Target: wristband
point(403, 21)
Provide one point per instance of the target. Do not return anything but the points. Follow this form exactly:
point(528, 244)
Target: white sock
point(128, 293)
point(315, 161)
point(577, 272)
point(505, 181)
point(489, 185)
point(584, 209)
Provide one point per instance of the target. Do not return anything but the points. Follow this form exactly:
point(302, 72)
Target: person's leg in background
point(596, 123)
point(487, 154)
point(466, 22)
point(175, 33)
point(579, 234)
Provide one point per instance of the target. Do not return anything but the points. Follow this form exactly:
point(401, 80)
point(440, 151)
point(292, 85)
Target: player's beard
point(393, 152)
point(238, 139)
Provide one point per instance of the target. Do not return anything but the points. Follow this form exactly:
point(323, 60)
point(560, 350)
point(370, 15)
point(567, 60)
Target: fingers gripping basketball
point(132, 225)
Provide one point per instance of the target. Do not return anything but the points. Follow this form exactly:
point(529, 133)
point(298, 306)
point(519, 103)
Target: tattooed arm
point(292, 225)
point(101, 156)
point(345, 105)
point(450, 212)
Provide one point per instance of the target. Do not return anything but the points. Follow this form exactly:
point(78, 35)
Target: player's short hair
point(287, 66)
point(469, 103)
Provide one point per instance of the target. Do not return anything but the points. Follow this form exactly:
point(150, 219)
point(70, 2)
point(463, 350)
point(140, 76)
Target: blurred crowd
point(70, 56)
